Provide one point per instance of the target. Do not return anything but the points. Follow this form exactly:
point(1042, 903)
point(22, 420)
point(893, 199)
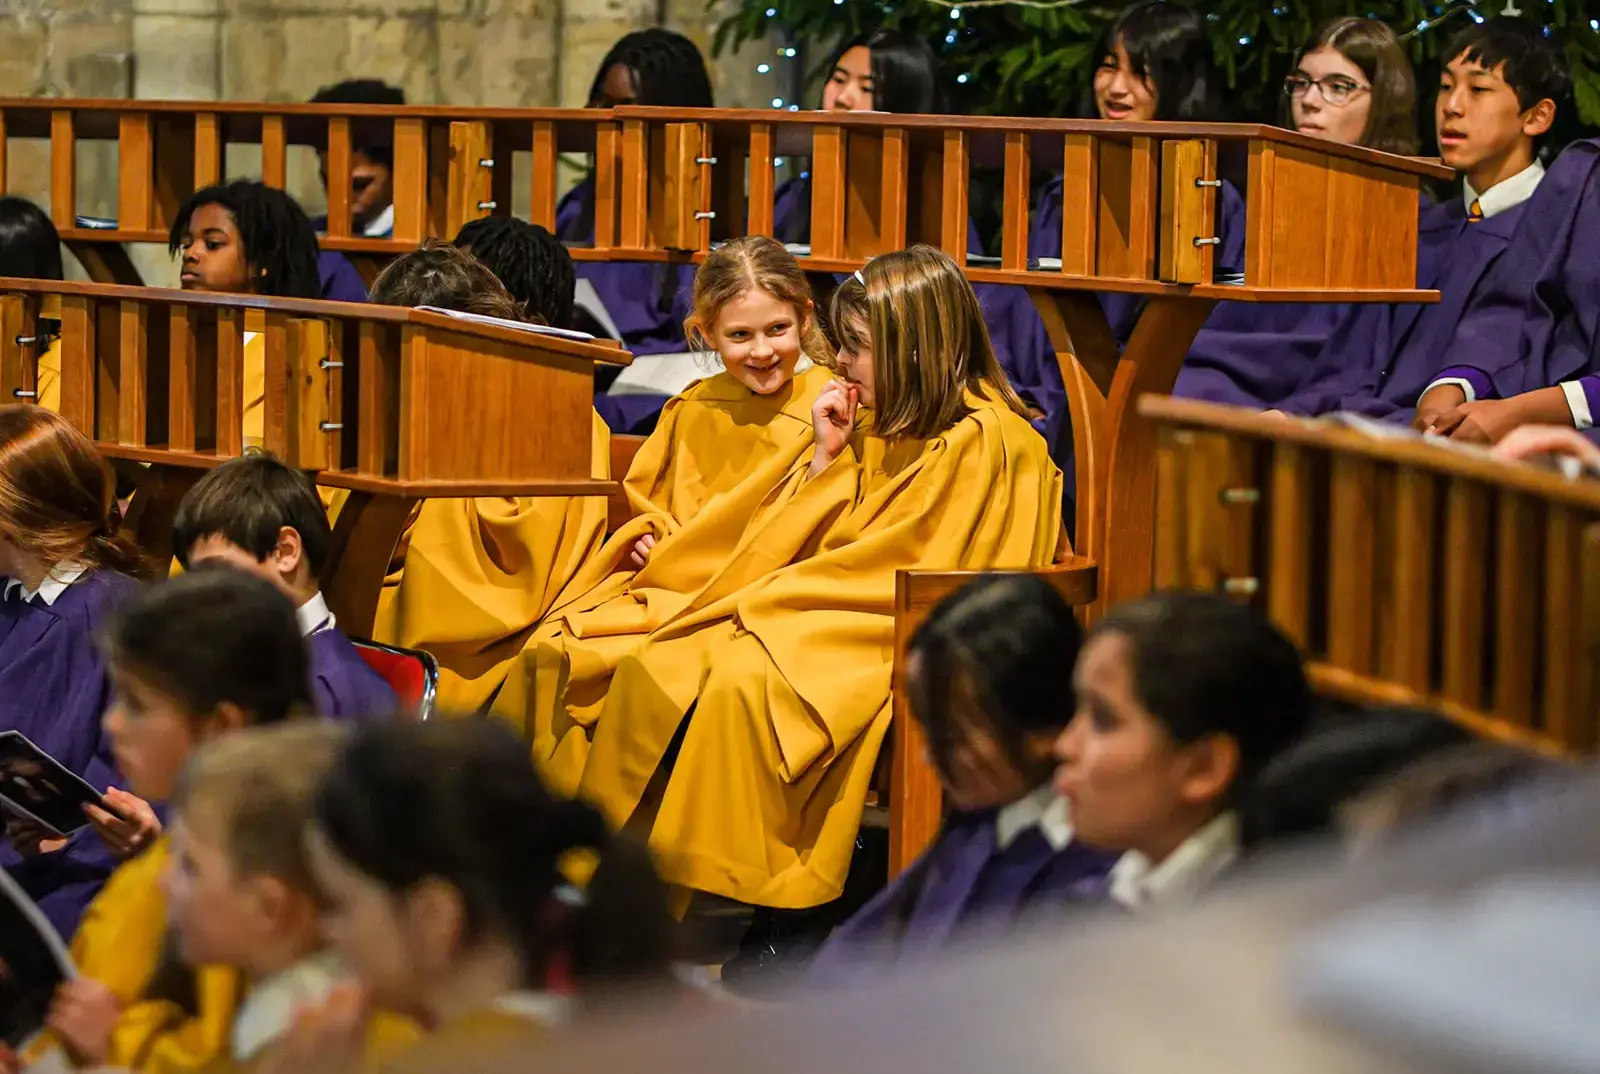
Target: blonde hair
point(753, 263)
point(57, 496)
point(929, 344)
point(258, 788)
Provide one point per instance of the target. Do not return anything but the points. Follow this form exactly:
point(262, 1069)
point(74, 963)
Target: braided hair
point(280, 245)
point(530, 262)
point(459, 801)
point(668, 69)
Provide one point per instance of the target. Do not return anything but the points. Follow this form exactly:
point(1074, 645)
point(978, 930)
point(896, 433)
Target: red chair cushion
point(406, 674)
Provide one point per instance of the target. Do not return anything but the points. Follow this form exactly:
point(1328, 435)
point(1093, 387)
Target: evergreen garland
point(1033, 57)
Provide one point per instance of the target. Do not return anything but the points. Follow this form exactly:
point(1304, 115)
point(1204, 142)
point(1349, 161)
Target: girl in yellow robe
point(245, 238)
point(785, 658)
point(240, 889)
point(472, 577)
point(445, 910)
point(718, 448)
point(192, 659)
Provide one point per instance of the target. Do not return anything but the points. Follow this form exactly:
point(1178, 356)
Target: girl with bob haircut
point(785, 654)
point(693, 488)
point(64, 569)
point(988, 676)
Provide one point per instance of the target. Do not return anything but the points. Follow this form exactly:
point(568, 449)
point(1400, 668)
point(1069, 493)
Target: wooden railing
point(1411, 573)
point(391, 405)
point(1326, 222)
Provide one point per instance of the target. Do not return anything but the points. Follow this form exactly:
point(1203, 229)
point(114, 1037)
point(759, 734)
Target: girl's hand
point(130, 829)
point(29, 839)
point(641, 551)
point(833, 419)
point(83, 1015)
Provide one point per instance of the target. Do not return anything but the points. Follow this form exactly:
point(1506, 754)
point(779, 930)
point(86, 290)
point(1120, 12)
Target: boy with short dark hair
point(1498, 98)
point(261, 516)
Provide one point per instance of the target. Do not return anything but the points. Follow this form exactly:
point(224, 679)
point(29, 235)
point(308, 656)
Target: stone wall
point(526, 53)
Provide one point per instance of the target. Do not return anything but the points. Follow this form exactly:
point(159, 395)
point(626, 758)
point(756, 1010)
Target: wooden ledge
point(1454, 460)
point(1076, 578)
point(445, 490)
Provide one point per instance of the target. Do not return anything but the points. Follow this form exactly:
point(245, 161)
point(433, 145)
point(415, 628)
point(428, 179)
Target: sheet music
point(520, 326)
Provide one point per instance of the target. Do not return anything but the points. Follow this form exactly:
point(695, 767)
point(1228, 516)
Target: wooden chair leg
point(365, 535)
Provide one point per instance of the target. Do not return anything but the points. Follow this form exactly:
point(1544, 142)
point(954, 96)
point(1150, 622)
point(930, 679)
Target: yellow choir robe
point(786, 657)
point(121, 942)
point(508, 1027)
point(48, 370)
point(694, 485)
point(478, 574)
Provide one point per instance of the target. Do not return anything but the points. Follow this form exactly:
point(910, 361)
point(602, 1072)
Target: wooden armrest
point(914, 796)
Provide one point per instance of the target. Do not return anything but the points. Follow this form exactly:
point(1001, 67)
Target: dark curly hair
point(529, 261)
point(280, 245)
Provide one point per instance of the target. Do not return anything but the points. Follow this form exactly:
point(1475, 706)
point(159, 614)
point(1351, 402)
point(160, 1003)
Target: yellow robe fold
point(479, 574)
point(694, 485)
point(121, 942)
point(787, 666)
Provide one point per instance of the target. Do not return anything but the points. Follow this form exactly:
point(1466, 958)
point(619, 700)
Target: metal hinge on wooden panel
point(1188, 238)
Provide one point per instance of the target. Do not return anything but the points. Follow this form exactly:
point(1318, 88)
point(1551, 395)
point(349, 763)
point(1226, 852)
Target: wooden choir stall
point(1411, 572)
point(1326, 222)
point(386, 406)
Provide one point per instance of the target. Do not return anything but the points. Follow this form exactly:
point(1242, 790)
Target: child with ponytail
point(440, 855)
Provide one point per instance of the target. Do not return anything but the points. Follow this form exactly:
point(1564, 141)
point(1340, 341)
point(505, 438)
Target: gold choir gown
point(693, 486)
point(784, 656)
point(479, 573)
point(122, 943)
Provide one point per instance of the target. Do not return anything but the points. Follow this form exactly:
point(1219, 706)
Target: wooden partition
point(451, 165)
point(392, 405)
point(1410, 572)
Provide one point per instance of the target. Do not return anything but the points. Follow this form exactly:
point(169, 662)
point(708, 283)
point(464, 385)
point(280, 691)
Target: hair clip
point(859, 278)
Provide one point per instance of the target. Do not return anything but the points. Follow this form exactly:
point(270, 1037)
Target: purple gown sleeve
point(340, 280)
point(343, 686)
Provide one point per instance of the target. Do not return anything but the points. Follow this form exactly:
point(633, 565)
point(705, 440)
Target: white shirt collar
point(540, 1008)
point(1137, 883)
point(314, 616)
point(1043, 809)
point(269, 1010)
point(1507, 194)
point(382, 225)
point(55, 583)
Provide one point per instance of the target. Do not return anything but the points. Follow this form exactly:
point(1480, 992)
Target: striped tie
point(1475, 212)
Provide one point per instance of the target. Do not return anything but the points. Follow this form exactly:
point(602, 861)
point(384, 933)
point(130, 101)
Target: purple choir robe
point(1257, 354)
point(54, 688)
point(1044, 240)
point(1381, 358)
point(340, 280)
point(343, 686)
point(648, 301)
point(1535, 321)
point(964, 885)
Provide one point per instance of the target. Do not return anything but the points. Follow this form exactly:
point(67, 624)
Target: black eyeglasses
point(1336, 90)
